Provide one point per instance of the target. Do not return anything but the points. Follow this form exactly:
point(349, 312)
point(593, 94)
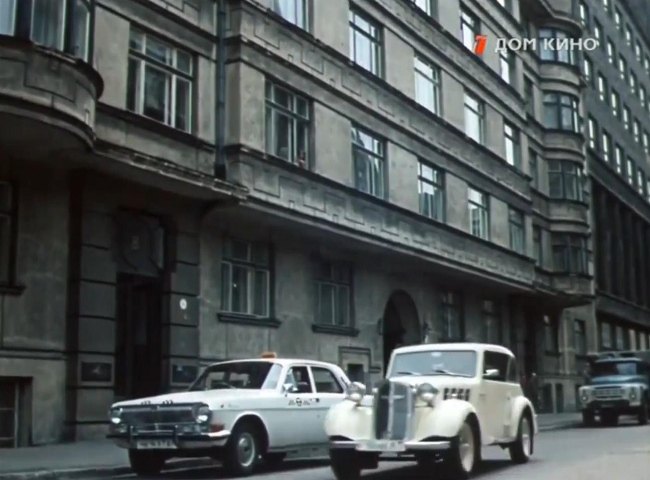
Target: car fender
point(232, 419)
point(443, 420)
point(350, 420)
point(519, 405)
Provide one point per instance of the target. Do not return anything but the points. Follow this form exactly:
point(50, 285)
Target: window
point(605, 333)
point(479, 218)
point(633, 83)
point(325, 381)
point(287, 125)
point(640, 181)
point(427, 85)
point(638, 51)
point(7, 232)
point(592, 133)
point(569, 253)
point(602, 88)
point(474, 118)
point(588, 70)
point(552, 52)
point(615, 102)
point(366, 43)
point(496, 361)
point(369, 162)
point(517, 230)
point(551, 335)
point(452, 316)
point(642, 96)
point(598, 33)
point(245, 272)
point(469, 28)
point(628, 35)
point(529, 96)
point(607, 146)
point(507, 65)
point(629, 171)
point(7, 17)
point(611, 52)
point(512, 145)
point(580, 336)
point(492, 328)
point(431, 191)
point(160, 81)
point(538, 251)
point(646, 142)
point(636, 130)
point(507, 4)
point(617, 20)
point(626, 118)
point(561, 112)
point(298, 377)
point(427, 6)
point(620, 338)
point(584, 14)
point(334, 294)
point(293, 11)
point(618, 159)
point(622, 68)
point(564, 180)
point(534, 168)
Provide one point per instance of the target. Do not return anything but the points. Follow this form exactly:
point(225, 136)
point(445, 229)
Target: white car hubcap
point(526, 436)
point(246, 450)
point(466, 447)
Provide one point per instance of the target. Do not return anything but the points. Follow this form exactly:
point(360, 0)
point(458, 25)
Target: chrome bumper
point(176, 440)
point(410, 446)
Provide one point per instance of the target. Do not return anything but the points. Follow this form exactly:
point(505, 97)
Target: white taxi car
point(239, 411)
point(439, 403)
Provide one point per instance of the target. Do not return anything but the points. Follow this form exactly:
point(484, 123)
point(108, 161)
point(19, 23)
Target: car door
point(329, 391)
point(494, 397)
point(298, 416)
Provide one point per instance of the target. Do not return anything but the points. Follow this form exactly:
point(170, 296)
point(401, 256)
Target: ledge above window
point(251, 320)
point(335, 330)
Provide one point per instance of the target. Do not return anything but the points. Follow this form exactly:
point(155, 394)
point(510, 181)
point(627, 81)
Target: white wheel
point(465, 452)
point(522, 448)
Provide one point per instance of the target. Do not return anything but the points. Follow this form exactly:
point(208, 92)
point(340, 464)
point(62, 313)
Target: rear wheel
point(522, 448)
point(588, 418)
point(146, 463)
point(345, 465)
point(242, 451)
point(464, 454)
point(609, 418)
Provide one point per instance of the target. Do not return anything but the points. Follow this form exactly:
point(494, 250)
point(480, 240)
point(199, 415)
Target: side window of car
point(325, 381)
point(495, 366)
point(298, 377)
point(513, 371)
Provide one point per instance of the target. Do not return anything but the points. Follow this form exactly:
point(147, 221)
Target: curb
point(560, 426)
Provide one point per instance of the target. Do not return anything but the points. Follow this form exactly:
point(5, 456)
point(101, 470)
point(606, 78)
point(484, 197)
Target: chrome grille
point(158, 415)
point(603, 393)
point(393, 410)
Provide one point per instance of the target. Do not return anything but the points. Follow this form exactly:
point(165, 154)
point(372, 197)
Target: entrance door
point(139, 346)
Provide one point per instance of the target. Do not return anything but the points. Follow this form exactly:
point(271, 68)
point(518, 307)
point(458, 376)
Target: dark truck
point(619, 384)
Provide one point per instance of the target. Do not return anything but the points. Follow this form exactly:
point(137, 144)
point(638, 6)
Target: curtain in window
point(48, 22)
point(7, 15)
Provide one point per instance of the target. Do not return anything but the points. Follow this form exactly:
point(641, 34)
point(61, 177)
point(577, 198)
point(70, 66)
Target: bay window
point(550, 39)
point(570, 253)
point(561, 112)
point(564, 180)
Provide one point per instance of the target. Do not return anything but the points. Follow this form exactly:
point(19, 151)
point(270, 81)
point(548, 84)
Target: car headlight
point(427, 393)
point(355, 392)
point(585, 394)
point(202, 414)
point(115, 415)
point(633, 393)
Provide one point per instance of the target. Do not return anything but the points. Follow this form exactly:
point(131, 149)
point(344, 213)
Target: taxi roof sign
point(269, 355)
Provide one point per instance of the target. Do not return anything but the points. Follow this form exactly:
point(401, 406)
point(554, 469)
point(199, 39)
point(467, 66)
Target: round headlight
point(203, 414)
point(116, 415)
point(355, 392)
point(427, 393)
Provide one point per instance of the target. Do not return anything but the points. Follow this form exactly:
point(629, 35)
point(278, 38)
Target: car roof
point(467, 346)
point(280, 361)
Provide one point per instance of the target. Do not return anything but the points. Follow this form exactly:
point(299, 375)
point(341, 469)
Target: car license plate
point(155, 444)
point(382, 446)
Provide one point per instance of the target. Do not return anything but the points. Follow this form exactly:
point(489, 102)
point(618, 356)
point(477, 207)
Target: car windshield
point(601, 369)
point(435, 362)
point(247, 375)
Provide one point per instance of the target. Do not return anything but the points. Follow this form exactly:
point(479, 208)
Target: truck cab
point(619, 384)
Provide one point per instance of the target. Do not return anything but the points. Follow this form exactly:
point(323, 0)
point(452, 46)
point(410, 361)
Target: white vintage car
point(439, 403)
point(240, 412)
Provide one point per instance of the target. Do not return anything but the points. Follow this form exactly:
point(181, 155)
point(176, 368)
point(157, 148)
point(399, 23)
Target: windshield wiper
point(409, 373)
point(441, 371)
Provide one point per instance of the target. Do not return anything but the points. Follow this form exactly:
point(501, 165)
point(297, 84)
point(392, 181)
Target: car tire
point(274, 460)
point(643, 413)
point(522, 448)
point(146, 463)
point(345, 465)
point(609, 418)
point(588, 418)
point(465, 452)
point(242, 451)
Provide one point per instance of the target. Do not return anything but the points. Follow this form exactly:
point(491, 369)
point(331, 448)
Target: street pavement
point(598, 453)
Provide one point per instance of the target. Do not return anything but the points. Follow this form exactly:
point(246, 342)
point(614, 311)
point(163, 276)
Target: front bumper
point(169, 439)
point(618, 404)
point(390, 447)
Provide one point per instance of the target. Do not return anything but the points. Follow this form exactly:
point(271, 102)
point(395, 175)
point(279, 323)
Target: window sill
point(335, 330)
point(251, 320)
point(10, 289)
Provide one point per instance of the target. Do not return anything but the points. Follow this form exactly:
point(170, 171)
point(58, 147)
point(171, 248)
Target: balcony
point(565, 290)
point(48, 90)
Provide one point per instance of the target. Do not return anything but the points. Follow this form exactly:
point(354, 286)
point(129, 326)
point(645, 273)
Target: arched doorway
point(401, 325)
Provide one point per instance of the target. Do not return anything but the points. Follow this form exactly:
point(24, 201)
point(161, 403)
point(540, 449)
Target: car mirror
point(289, 388)
point(492, 373)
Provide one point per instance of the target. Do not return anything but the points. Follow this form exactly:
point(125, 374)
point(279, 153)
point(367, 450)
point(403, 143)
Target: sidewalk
point(102, 458)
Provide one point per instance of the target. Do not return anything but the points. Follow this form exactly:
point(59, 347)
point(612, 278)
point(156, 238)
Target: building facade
point(321, 179)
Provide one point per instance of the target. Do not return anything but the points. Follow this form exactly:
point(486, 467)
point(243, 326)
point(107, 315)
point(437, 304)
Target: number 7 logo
point(480, 42)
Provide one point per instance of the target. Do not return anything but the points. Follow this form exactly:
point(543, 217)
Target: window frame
point(376, 41)
point(478, 113)
point(451, 309)
point(566, 245)
point(538, 246)
point(306, 15)
point(379, 156)
point(555, 104)
point(606, 146)
point(564, 56)
point(517, 226)
point(483, 206)
point(469, 19)
point(437, 182)
point(340, 284)
point(592, 133)
point(512, 144)
point(491, 321)
point(568, 174)
point(434, 82)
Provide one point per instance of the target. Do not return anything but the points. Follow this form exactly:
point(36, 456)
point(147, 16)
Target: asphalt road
point(577, 454)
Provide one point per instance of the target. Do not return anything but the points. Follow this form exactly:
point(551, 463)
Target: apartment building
point(189, 181)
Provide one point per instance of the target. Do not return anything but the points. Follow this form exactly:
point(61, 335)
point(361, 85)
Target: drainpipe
point(220, 90)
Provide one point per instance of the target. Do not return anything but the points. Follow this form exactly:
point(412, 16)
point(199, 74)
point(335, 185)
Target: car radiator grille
point(605, 393)
point(393, 410)
point(459, 393)
point(158, 415)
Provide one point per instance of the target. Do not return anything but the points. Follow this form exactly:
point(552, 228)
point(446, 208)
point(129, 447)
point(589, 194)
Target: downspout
point(220, 90)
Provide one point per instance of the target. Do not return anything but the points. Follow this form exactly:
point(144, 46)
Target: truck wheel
point(464, 454)
point(588, 418)
point(643, 413)
point(242, 451)
point(609, 418)
point(146, 463)
point(345, 465)
point(522, 448)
